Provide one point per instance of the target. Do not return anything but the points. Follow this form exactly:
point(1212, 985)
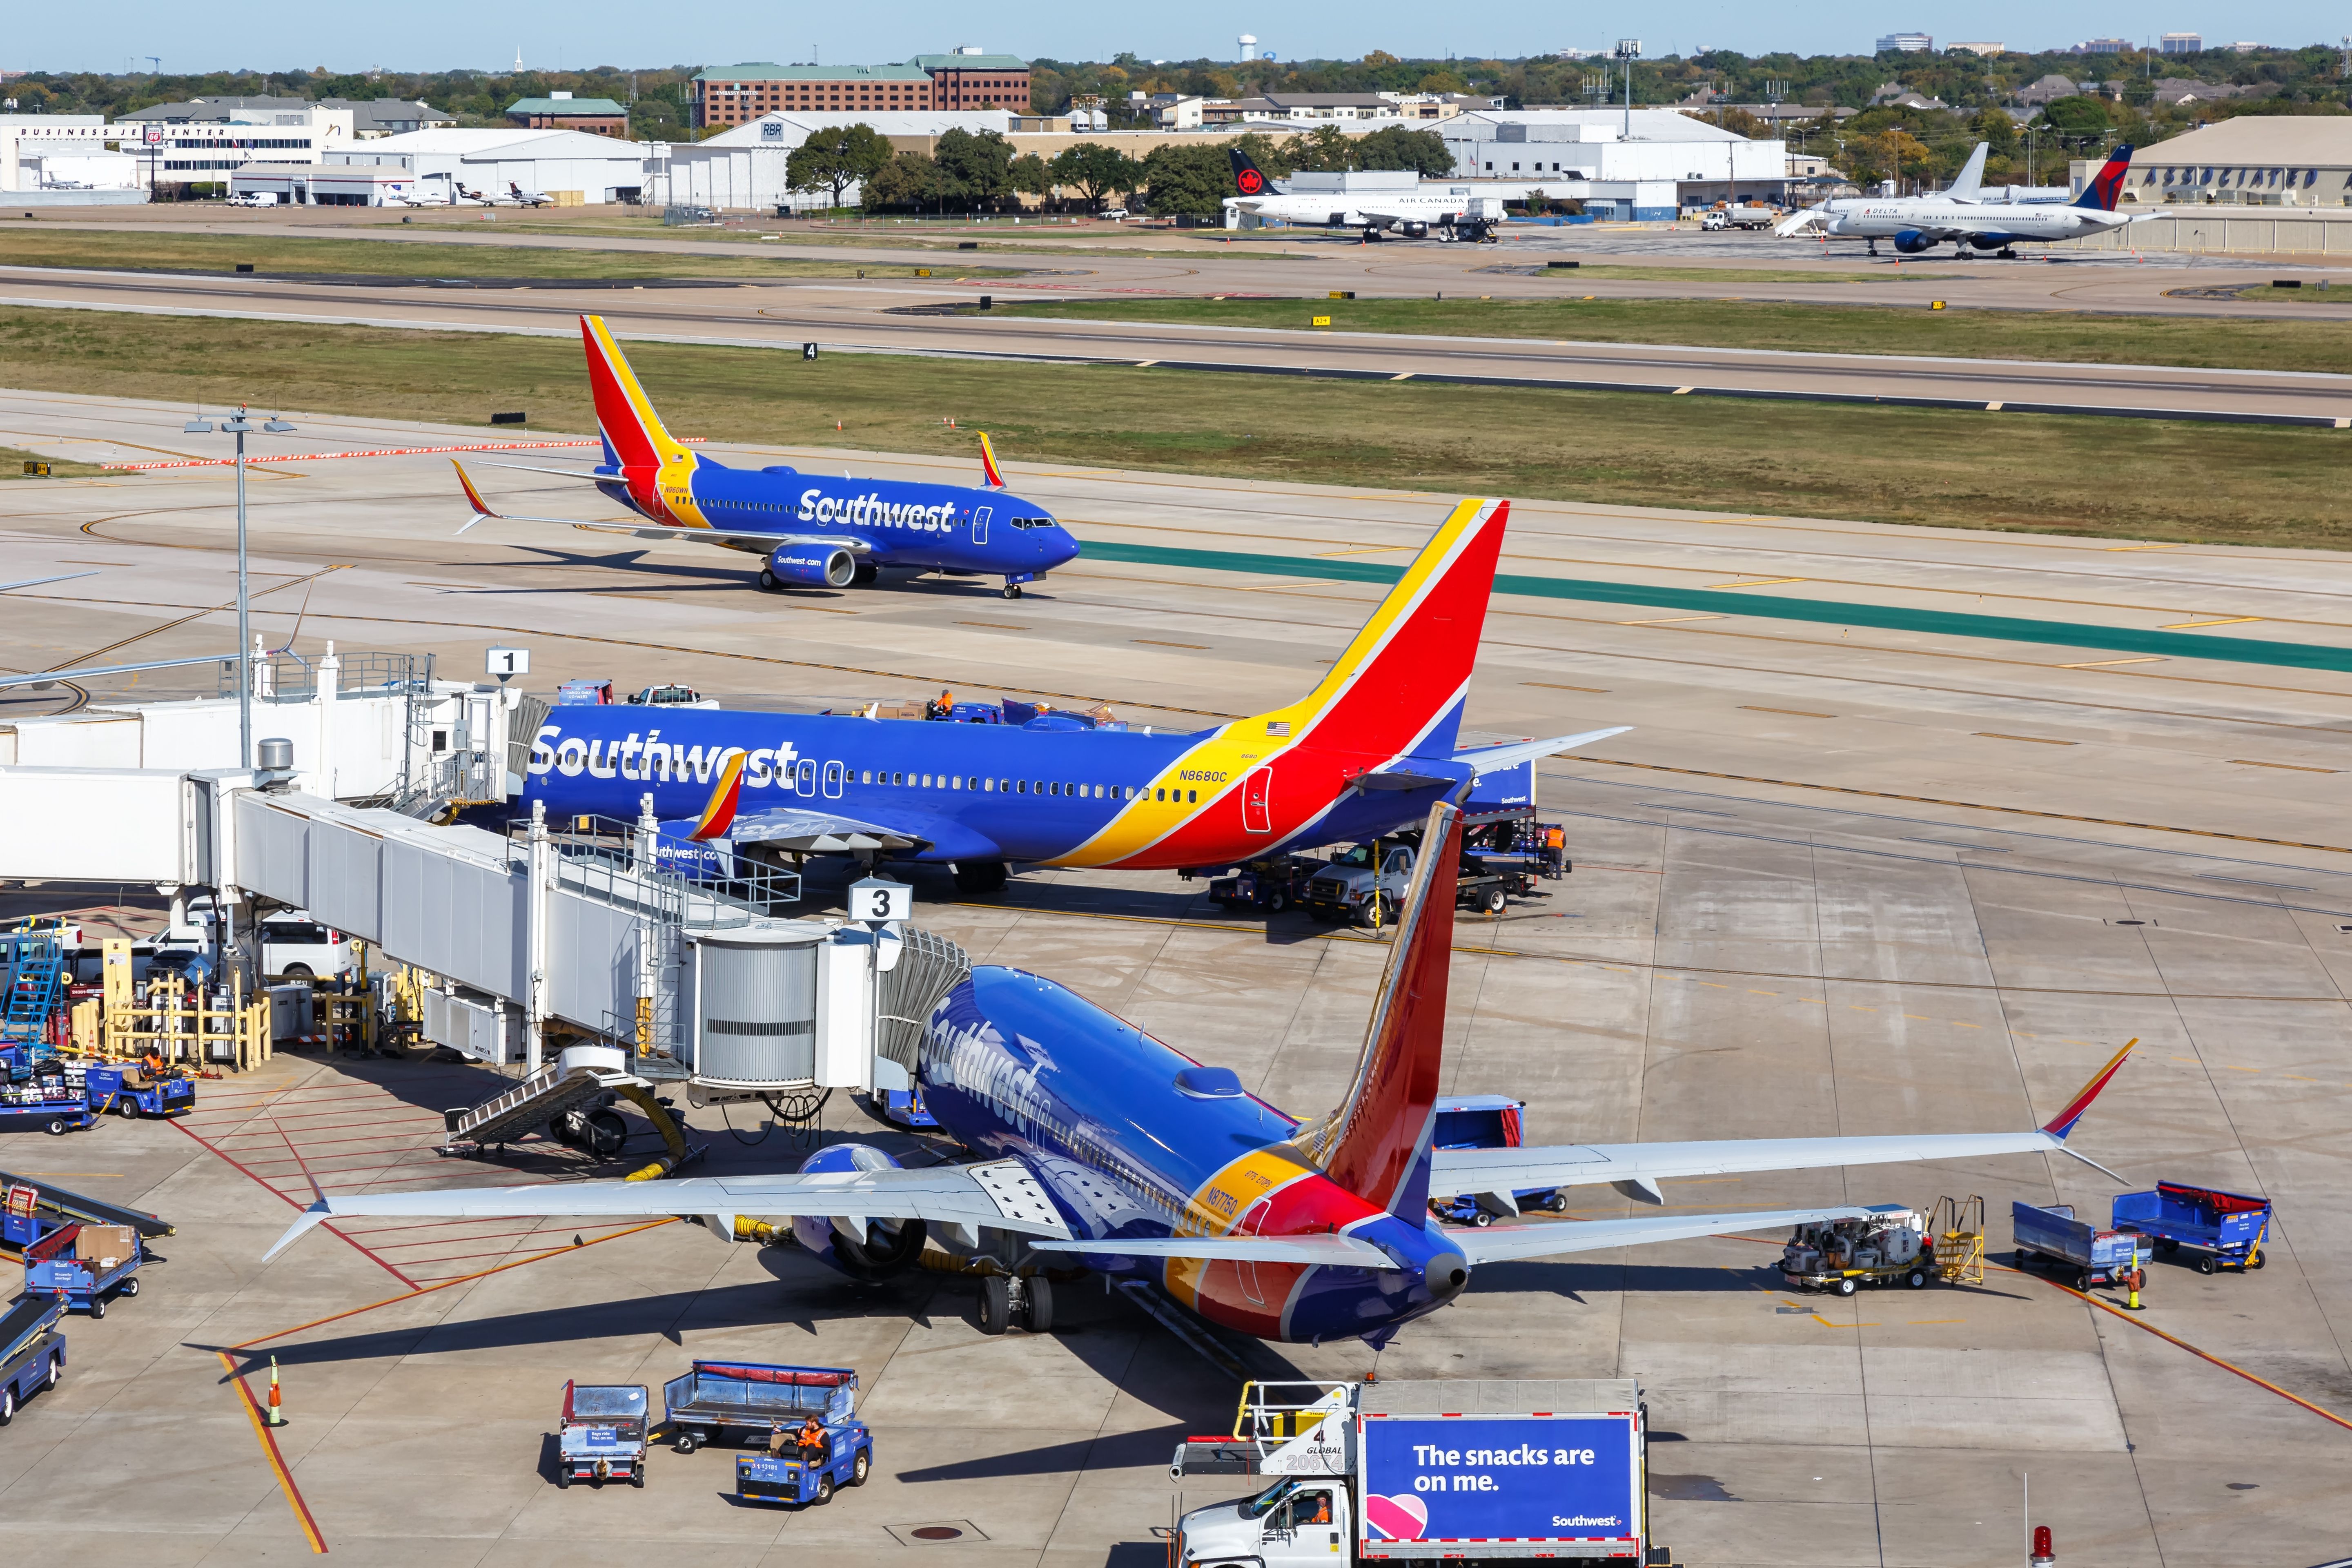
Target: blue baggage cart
point(47, 1103)
point(2227, 1229)
point(2095, 1257)
point(84, 1265)
point(31, 1351)
point(771, 1403)
point(602, 1437)
point(1485, 1121)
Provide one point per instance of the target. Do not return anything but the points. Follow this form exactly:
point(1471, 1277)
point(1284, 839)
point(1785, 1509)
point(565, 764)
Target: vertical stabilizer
point(1376, 1143)
point(1970, 183)
point(2106, 186)
point(632, 430)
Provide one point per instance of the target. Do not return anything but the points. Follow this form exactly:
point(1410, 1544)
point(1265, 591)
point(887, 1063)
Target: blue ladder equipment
point(34, 967)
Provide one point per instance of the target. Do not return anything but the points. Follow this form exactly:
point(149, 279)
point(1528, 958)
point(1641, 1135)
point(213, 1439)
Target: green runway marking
point(2004, 628)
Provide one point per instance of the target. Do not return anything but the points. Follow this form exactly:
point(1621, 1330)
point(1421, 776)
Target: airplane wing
point(638, 529)
point(1486, 760)
point(815, 832)
point(1551, 1240)
point(1001, 1195)
point(1635, 1168)
point(37, 582)
point(1329, 1250)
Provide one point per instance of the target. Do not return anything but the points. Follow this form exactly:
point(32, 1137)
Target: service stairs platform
point(574, 1081)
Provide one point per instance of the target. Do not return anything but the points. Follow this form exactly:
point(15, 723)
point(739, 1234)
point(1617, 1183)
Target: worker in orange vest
point(1555, 852)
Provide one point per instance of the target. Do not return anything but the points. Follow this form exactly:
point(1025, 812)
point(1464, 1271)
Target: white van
point(292, 942)
point(254, 199)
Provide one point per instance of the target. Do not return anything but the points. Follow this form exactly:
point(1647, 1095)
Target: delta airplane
point(1095, 1142)
point(1917, 224)
point(1364, 754)
point(1967, 186)
point(1446, 208)
point(815, 531)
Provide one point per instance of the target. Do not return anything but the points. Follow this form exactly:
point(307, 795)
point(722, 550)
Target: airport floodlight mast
point(240, 426)
point(1628, 51)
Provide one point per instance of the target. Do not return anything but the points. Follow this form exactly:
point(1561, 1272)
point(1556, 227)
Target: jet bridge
point(547, 936)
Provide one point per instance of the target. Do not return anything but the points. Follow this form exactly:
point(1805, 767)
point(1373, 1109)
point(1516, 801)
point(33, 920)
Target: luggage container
point(2096, 1257)
point(752, 1399)
point(1486, 1121)
point(602, 1435)
point(2227, 1229)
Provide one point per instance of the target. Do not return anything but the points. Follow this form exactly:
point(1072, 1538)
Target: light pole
point(238, 426)
point(1628, 51)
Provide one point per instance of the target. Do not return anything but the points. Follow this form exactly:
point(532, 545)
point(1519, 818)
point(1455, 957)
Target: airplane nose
point(1058, 547)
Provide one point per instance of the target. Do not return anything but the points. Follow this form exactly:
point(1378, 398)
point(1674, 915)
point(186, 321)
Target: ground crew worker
point(1555, 853)
point(813, 1441)
point(1318, 1509)
point(152, 1063)
point(943, 708)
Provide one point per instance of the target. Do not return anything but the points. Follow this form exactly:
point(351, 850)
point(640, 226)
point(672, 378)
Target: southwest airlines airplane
point(1364, 754)
point(1096, 1142)
point(814, 531)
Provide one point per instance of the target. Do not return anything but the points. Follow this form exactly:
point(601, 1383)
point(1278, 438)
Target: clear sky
point(434, 34)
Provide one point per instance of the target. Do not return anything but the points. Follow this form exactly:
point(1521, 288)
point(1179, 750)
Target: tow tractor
point(1273, 885)
point(1887, 1247)
point(758, 1399)
point(602, 1435)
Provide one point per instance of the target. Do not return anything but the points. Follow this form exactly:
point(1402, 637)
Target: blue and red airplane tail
point(2106, 186)
point(1376, 1143)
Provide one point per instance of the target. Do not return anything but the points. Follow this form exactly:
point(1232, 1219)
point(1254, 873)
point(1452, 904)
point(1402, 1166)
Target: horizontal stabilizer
point(1329, 1250)
point(1554, 1239)
point(1484, 760)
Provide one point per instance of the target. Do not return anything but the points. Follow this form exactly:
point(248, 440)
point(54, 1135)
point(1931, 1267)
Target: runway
point(1840, 878)
point(847, 317)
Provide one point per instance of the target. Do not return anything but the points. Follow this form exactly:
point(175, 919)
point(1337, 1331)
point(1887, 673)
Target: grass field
point(2236, 342)
point(148, 251)
point(2254, 485)
point(13, 461)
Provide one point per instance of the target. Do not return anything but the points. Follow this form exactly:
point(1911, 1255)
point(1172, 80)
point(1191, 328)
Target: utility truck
point(1440, 1471)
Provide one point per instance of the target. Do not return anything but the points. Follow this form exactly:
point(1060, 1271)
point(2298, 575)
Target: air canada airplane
point(1364, 754)
point(1446, 209)
point(1095, 1143)
point(814, 531)
point(1919, 224)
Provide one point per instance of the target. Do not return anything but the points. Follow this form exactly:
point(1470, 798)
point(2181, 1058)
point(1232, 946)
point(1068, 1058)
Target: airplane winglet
point(314, 1214)
point(718, 814)
point(473, 497)
point(2060, 1125)
point(994, 476)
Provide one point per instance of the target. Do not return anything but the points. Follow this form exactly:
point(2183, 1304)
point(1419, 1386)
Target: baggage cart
point(2226, 1228)
point(2095, 1257)
point(31, 1351)
point(1486, 1121)
point(752, 1400)
point(85, 1266)
point(602, 1435)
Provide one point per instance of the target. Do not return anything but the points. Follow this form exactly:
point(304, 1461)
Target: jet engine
point(1911, 242)
point(1413, 230)
point(809, 566)
point(881, 1248)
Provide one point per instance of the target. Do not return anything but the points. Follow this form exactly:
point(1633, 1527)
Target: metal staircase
point(582, 1074)
point(34, 963)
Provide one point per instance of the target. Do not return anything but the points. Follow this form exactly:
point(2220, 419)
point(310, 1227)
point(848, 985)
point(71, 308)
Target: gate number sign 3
point(875, 900)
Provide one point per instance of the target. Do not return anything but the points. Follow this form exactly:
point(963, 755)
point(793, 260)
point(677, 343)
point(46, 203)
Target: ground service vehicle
point(602, 1435)
point(753, 1398)
point(2095, 1257)
point(85, 1266)
point(1430, 1471)
point(1887, 1246)
point(1486, 1121)
point(2227, 1229)
point(47, 1102)
point(31, 1351)
point(1273, 885)
point(128, 1091)
point(796, 1474)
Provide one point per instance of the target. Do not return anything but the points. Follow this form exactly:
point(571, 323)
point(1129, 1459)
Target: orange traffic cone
point(275, 1416)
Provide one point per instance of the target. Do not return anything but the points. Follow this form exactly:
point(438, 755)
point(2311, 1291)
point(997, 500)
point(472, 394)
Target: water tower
point(1249, 46)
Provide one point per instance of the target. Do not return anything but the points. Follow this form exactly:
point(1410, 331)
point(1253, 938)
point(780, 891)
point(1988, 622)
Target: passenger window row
point(1020, 786)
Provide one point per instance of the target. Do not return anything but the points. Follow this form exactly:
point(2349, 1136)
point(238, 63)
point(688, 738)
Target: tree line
point(978, 172)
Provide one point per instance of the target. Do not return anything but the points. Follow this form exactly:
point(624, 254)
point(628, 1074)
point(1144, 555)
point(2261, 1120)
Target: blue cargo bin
point(84, 1265)
point(1486, 1121)
point(602, 1437)
point(32, 1351)
point(2095, 1257)
point(2227, 1229)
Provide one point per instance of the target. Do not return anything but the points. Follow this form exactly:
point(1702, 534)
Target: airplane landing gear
point(1012, 590)
point(979, 875)
point(2007, 254)
point(767, 581)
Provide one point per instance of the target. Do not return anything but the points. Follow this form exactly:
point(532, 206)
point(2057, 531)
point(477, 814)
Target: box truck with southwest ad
point(1457, 1471)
